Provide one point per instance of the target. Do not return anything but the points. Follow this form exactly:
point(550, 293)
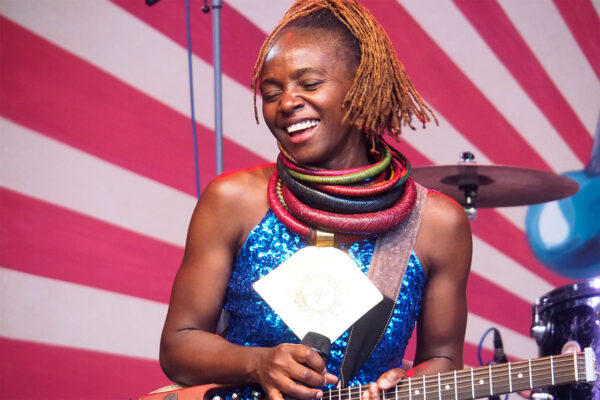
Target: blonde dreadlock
point(382, 97)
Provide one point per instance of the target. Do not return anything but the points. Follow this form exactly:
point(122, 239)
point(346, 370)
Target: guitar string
point(559, 369)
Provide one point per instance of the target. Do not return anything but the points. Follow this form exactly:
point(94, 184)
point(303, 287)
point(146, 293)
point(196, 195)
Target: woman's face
point(303, 83)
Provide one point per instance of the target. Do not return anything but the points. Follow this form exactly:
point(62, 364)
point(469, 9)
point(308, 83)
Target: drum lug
point(539, 332)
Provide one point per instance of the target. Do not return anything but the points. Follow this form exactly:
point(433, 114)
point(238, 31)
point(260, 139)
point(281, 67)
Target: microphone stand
point(216, 6)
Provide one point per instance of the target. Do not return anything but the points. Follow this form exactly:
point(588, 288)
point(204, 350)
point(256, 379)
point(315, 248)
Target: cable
point(480, 346)
point(191, 81)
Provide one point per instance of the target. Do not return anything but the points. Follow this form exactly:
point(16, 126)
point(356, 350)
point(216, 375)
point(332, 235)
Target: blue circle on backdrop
point(565, 234)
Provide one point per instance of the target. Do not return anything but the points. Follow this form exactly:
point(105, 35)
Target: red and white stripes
point(97, 171)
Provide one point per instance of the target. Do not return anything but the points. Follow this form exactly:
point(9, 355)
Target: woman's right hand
point(292, 369)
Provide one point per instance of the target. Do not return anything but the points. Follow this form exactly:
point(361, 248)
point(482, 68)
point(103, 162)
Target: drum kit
point(567, 318)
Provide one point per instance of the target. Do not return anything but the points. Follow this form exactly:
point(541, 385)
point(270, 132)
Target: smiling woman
point(331, 87)
point(303, 85)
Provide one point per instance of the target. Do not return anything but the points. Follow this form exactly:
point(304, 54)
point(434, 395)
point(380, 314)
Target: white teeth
point(302, 125)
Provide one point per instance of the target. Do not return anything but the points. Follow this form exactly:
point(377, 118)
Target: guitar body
point(183, 393)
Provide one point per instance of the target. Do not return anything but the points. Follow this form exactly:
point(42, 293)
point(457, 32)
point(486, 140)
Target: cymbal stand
point(469, 184)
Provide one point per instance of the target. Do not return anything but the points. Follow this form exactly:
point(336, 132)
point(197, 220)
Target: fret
point(509, 379)
point(520, 375)
point(446, 385)
point(499, 379)
point(463, 388)
point(530, 375)
point(480, 379)
point(487, 381)
point(455, 387)
point(472, 383)
point(491, 384)
point(568, 368)
point(552, 369)
point(575, 366)
point(540, 374)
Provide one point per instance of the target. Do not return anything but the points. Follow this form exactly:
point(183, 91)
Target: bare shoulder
point(445, 234)
point(233, 203)
point(239, 188)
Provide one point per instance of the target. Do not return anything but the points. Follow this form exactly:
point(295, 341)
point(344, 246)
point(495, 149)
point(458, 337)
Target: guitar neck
point(455, 385)
point(487, 381)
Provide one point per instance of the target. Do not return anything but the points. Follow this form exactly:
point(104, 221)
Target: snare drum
point(565, 319)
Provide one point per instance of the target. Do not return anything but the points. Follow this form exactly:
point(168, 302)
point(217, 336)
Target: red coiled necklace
point(358, 201)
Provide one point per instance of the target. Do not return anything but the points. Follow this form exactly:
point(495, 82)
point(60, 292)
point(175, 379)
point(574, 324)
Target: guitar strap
point(388, 265)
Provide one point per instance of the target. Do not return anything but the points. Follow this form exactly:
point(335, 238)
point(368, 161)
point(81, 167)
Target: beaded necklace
point(358, 201)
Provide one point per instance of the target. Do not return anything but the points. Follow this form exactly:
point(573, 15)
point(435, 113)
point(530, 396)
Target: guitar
point(465, 384)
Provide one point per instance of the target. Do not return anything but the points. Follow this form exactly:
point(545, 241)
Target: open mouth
point(298, 127)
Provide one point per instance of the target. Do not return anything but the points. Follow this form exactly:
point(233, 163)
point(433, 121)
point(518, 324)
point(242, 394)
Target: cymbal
point(496, 185)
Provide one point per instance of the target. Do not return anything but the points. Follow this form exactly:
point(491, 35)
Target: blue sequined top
point(253, 323)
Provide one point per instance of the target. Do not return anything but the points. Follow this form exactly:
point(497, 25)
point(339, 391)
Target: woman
point(331, 86)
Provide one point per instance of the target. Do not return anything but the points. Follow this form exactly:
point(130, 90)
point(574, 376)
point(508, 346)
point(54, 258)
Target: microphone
point(319, 343)
point(499, 356)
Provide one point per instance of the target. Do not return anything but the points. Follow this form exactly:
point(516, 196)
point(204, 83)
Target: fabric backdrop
point(97, 163)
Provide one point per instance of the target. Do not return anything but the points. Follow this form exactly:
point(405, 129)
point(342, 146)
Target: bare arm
point(444, 247)
point(191, 353)
point(442, 323)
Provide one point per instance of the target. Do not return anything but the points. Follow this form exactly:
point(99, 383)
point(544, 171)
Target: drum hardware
point(541, 396)
point(539, 332)
point(565, 320)
point(488, 186)
point(469, 184)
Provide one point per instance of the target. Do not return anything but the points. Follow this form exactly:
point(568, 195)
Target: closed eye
point(270, 95)
point(311, 85)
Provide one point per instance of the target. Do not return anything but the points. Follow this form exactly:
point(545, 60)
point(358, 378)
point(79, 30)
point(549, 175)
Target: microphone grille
point(320, 343)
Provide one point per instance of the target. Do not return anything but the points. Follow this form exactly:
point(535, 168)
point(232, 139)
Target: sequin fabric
point(253, 323)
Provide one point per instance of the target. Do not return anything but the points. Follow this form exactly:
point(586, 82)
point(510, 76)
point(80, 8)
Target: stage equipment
point(486, 186)
point(216, 6)
point(565, 320)
point(472, 383)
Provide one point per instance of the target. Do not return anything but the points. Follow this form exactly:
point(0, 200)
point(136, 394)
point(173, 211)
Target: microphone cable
point(499, 356)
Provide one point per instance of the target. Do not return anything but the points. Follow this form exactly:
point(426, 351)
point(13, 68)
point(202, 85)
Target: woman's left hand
point(386, 381)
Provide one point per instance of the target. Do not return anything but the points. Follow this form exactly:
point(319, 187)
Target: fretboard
point(479, 382)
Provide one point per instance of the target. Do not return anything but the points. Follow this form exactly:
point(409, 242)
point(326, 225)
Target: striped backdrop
point(97, 163)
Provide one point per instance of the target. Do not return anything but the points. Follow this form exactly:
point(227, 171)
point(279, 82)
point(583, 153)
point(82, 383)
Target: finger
point(307, 376)
point(309, 357)
point(273, 394)
point(330, 379)
point(298, 391)
point(391, 378)
point(373, 392)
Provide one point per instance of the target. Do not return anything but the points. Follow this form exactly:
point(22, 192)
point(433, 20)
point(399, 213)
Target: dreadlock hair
point(382, 97)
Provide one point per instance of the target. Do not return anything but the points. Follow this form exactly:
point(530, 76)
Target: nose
point(290, 102)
